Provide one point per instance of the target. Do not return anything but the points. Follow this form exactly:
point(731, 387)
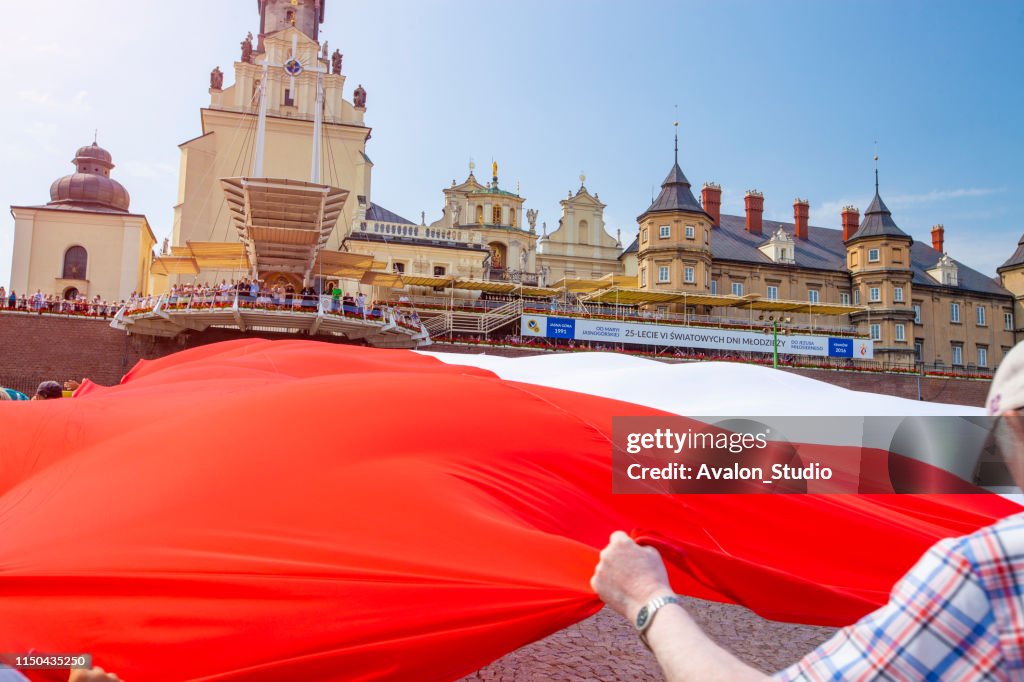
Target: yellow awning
point(214, 255)
point(624, 296)
point(585, 285)
point(342, 264)
point(799, 307)
point(382, 279)
point(504, 287)
point(483, 285)
point(628, 296)
point(419, 281)
point(175, 265)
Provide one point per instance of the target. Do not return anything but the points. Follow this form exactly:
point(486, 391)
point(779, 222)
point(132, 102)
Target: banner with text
point(612, 331)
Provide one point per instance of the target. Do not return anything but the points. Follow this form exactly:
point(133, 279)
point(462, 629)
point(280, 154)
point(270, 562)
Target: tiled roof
point(1017, 258)
point(382, 215)
point(676, 194)
point(878, 222)
point(824, 250)
point(633, 247)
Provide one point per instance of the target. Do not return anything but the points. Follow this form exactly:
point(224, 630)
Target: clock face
point(641, 618)
point(293, 67)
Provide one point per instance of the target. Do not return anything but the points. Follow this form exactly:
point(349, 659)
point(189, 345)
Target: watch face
point(641, 618)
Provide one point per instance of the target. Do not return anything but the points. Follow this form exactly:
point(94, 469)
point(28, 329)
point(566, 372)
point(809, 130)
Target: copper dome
point(91, 186)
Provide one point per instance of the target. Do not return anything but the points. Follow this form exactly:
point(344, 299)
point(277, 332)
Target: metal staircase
point(469, 322)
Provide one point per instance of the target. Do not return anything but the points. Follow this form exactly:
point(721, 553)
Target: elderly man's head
point(1006, 400)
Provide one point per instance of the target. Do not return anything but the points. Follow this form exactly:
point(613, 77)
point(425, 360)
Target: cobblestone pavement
point(605, 648)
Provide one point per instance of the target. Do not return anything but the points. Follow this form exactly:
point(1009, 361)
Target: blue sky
point(785, 97)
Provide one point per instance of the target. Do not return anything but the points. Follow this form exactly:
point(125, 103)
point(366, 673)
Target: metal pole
point(775, 344)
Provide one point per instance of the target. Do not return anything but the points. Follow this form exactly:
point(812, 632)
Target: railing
point(61, 307)
point(388, 316)
point(439, 234)
point(428, 304)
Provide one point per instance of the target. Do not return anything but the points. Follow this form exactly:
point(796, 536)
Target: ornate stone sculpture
point(336, 61)
point(456, 210)
point(216, 78)
point(167, 246)
point(359, 98)
point(531, 217)
point(247, 49)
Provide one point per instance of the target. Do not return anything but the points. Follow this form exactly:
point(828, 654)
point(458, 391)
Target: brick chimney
point(711, 198)
point(939, 238)
point(851, 222)
point(801, 214)
point(753, 201)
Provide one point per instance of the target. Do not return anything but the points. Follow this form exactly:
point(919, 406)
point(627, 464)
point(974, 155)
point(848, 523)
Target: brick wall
point(35, 348)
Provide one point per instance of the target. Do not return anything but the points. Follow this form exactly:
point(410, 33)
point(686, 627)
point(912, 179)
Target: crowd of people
point(51, 303)
point(253, 293)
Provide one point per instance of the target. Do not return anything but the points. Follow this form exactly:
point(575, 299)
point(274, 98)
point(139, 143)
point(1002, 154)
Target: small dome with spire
point(90, 186)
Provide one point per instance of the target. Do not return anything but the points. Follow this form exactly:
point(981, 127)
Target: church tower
point(278, 15)
point(878, 259)
point(300, 85)
point(675, 239)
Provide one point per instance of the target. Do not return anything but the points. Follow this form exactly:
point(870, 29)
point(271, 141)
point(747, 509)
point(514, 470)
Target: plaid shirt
point(957, 615)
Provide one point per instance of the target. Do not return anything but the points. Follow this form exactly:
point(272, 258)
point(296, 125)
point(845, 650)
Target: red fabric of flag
point(295, 510)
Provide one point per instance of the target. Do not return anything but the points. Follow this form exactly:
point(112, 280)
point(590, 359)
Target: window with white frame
point(813, 295)
point(737, 288)
point(773, 293)
point(875, 295)
point(982, 356)
point(897, 294)
point(917, 313)
point(688, 275)
point(714, 287)
point(876, 332)
point(664, 232)
point(643, 235)
point(980, 313)
point(873, 256)
point(689, 232)
point(856, 296)
point(643, 277)
point(901, 333)
point(844, 298)
point(954, 312)
point(663, 275)
point(1008, 321)
point(958, 354)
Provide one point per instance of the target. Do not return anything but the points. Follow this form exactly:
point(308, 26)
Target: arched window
point(479, 214)
point(584, 232)
point(496, 215)
point(70, 294)
point(75, 261)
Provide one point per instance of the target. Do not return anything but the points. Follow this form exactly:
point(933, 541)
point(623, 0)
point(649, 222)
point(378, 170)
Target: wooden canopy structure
point(283, 224)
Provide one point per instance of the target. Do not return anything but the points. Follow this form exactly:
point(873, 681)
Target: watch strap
point(647, 612)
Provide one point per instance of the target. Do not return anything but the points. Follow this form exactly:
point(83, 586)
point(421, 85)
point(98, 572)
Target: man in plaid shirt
point(957, 615)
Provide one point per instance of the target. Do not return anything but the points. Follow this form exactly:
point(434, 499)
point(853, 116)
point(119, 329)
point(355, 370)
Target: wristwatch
point(645, 616)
